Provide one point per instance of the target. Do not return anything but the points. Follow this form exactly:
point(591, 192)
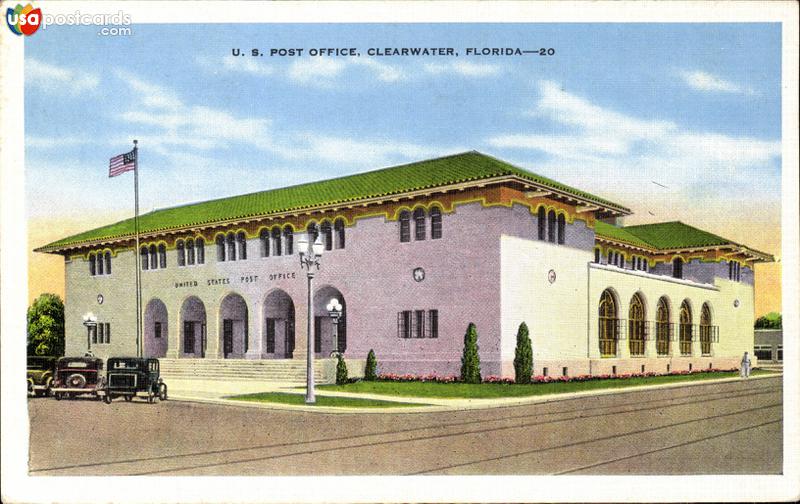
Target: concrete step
point(288, 370)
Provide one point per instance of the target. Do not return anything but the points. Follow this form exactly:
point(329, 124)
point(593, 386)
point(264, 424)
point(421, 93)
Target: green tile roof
point(619, 234)
point(459, 168)
point(675, 235)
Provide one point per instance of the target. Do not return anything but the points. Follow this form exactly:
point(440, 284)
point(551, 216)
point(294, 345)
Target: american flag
point(122, 163)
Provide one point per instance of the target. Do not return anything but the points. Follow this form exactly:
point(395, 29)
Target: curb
point(439, 405)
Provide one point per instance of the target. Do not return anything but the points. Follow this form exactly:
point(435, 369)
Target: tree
point(771, 320)
point(371, 369)
point(470, 360)
point(523, 356)
point(46, 326)
point(341, 370)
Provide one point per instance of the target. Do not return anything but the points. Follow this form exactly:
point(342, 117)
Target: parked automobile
point(78, 375)
point(130, 377)
point(41, 371)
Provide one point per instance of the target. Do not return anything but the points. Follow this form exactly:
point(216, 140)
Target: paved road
point(724, 428)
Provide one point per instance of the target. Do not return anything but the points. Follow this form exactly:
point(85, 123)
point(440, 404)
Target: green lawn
point(299, 399)
point(493, 390)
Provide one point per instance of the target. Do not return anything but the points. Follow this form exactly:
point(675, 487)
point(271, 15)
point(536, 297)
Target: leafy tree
point(341, 370)
point(371, 369)
point(771, 320)
point(470, 360)
point(46, 326)
point(523, 356)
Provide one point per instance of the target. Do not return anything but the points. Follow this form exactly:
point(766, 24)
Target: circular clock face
point(551, 276)
point(100, 299)
point(419, 274)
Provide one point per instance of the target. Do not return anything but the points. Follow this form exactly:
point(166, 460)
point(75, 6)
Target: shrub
point(341, 370)
point(371, 369)
point(46, 326)
point(471, 361)
point(523, 356)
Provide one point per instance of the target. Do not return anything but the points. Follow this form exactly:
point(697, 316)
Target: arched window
point(327, 235)
point(162, 256)
point(100, 265)
point(288, 238)
point(144, 258)
point(181, 247)
point(189, 251)
point(92, 265)
point(313, 233)
point(108, 263)
point(419, 224)
point(663, 327)
point(561, 228)
point(277, 246)
point(436, 223)
point(263, 238)
point(200, 248)
point(541, 218)
point(551, 226)
point(153, 257)
point(231, 242)
point(597, 255)
point(405, 226)
point(338, 228)
point(706, 331)
point(636, 326)
point(220, 248)
point(609, 325)
point(685, 334)
point(241, 240)
point(677, 268)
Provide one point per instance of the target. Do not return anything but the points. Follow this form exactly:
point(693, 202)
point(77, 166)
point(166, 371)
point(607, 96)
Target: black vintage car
point(77, 376)
point(41, 372)
point(129, 377)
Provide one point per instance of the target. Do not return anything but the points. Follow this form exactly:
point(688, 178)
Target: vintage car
point(41, 371)
point(129, 377)
point(78, 375)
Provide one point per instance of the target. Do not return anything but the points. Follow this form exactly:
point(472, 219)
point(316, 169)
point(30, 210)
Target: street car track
point(655, 404)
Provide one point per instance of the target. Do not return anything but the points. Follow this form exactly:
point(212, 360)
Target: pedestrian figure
point(744, 372)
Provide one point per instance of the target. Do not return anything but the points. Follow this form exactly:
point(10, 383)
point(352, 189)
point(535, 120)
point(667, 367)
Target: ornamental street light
point(90, 321)
point(310, 259)
point(335, 312)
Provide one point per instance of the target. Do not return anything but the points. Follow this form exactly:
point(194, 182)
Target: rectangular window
point(201, 252)
point(188, 337)
point(93, 330)
point(419, 323)
point(433, 323)
point(404, 324)
point(564, 371)
point(545, 371)
point(764, 352)
point(157, 330)
point(405, 230)
point(597, 256)
point(780, 353)
point(270, 335)
point(108, 332)
point(101, 329)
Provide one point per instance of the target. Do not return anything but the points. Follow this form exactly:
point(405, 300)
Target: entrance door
point(227, 337)
point(270, 335)
point(203, 339)
point(188, 337)
point(288, 338)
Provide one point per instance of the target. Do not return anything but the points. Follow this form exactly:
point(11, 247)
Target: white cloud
point(463, 68)
point(247, 65)
point(703, 81)
point(151, 95)
point(55, 79)
point(383, 71)
point(56, 142)
point(315, 71)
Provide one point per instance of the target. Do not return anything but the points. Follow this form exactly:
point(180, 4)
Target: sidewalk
point(216, 392)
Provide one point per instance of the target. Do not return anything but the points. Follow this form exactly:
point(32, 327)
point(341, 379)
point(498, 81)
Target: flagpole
point(136, 256)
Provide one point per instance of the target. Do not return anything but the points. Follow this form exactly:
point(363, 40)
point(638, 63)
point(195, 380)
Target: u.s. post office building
point(414, 253)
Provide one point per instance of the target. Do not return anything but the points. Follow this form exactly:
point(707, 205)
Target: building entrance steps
point(267, 370)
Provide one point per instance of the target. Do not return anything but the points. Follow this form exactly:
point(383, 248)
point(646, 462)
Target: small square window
point(564, 371)
point(544, 371)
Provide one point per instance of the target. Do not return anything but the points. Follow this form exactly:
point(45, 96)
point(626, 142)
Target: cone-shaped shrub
point(341, 370)
point(371, 369)
point(470, 361)
point(523, 356)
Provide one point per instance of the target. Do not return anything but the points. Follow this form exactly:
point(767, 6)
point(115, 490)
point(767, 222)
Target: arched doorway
point(278, 325)
point(233, 327)
point(706, 333)
point(609, 324)
point(193, 328)
point(155, 329)
point(685, 330)
point(663, 327)
point(636, 326)
point(327, 335)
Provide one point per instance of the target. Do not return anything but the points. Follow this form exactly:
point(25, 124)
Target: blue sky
point(694, 107)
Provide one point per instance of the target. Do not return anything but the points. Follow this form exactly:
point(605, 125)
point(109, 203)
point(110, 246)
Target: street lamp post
point(335, 313)
point(310, 259)
point(90, 321)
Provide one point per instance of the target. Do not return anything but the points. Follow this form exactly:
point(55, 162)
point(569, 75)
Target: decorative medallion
point(100, 299)
point(419, 274)
point(736, 303)
point(551, 276)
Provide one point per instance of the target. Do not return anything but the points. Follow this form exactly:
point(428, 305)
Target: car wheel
point(107, 398)
point(71, 395)
point(48, 387)
point(128, 398)
point(76, 380)
point(30, 387)
point(151, 397)
point(58, 396)
point(162, 392)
